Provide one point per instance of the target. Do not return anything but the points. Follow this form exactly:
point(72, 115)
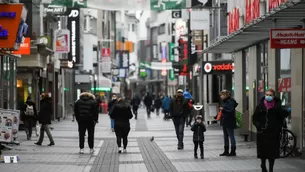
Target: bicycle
point(288, 142)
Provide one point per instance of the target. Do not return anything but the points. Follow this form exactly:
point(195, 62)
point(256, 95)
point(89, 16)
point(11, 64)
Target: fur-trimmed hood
point(86, 96)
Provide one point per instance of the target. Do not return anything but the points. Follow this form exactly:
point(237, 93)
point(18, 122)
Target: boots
point(233, 151)
point(195, 155)
point(226, 152)
point(264, 168)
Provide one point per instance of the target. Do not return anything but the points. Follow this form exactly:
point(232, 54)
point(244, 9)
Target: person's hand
point(220, 108)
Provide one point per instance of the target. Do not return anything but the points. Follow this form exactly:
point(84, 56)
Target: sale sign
point(287, 38)
point(284, 84)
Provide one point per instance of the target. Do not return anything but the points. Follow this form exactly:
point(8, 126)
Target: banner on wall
point(287, 38)
point(9, 125)
point(25, 48)
point(62, 41)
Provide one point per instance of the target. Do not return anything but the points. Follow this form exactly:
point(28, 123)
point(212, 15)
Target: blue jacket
point(187, 95)
point(228, 113)
point(166, 103)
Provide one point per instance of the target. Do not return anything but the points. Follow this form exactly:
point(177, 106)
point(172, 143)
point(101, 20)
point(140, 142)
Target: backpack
point(29, 111)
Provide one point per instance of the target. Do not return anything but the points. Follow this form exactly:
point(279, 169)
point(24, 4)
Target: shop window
point(285, 78)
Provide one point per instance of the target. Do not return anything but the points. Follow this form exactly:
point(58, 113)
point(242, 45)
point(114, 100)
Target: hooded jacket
point(86, 108)
point(187, 95)
point(228, 118)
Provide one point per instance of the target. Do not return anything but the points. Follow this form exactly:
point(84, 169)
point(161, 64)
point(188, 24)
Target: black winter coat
point(111, 105)
point(23, 109)
point(45, 112)
point(148, 100)
point(179, 108)
point(198, 132)
point(158, 103)
point(121, 113)
point(269, 124)
point(228, 119)
point(86, 108)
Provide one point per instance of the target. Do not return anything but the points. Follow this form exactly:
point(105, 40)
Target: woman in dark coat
point(121, 114)
point(44, 118)
point(268, 119)
point(228, 122)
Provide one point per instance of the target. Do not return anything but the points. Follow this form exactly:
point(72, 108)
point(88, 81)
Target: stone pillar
point(253, 74)
point(296, 94)
point(240, 80)
point(274, 67)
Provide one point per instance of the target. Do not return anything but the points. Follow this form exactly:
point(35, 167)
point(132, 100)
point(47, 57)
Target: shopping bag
point(37, 128)
point(239, 119)
point(219, 115)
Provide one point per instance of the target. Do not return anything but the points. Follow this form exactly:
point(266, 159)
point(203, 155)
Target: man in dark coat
point(44, 118)
point(135, 103)
point(148, 101)
point(179, 109)
point(29, 116)
point(86, 114)
point(158, 105)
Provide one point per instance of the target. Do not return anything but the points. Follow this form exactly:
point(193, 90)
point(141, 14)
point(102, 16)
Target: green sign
point(171, 75)
point(159, 5)
point(70, 3)
point(171, 52)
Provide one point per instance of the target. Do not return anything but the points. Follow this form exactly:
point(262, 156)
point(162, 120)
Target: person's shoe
point(124, 151)
point(28, 137)
point(201, 156)
point(81, 151)
point(92, 151)
point(233, 151)
point(37, 143)
point(120, 150)
point(226, 152)
point(195, 156)
point(51, 144)
point(180, 147)
point(112, 129)
point(264, 168)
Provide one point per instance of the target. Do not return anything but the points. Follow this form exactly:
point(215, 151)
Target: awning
point(287, 15)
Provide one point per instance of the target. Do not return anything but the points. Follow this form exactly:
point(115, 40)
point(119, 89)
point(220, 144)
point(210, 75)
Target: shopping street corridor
point(144, 155)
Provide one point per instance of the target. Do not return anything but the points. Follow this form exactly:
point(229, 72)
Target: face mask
point(268, 98)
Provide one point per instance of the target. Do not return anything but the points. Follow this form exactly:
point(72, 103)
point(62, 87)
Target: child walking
point(198, 129)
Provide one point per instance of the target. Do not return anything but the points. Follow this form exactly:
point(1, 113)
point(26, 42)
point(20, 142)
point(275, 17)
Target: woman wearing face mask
point(268, 119)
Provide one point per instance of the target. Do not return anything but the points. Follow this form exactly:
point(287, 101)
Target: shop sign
point(287, 38)
point(10, 18)
point(233, 20)
point(252, 10)
point(284, 84)
point(62, 41)
point(73, 26)
point(184, 71)
point(218, 67)
point(25, 47)
point(106, 52)
point(275, 3)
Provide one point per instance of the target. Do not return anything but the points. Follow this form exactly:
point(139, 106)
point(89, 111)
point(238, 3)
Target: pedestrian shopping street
point(159, 155)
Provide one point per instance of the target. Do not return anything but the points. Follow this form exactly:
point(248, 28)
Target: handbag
point(219, 115)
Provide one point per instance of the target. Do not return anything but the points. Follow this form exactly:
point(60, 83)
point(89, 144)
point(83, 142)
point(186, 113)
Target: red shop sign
point(106, 52)
point(185, 52)
point(233, 20)
point(284, 84)
point(252, 10)
point(287, 38)
point(275, 3)
point(211, 67)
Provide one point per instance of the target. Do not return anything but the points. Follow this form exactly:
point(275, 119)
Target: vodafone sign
point(287, 38)
point(218, 67)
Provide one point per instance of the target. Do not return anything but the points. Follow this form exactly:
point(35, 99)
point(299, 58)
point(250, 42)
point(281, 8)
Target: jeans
point(200, 144)
point(157, 111)
point(112, 123)
point(83, 126)
point(179, 123)
point(122, 132)
point(148, 110)
point(29, 124)
point(45, 128)
point(229, 133)
point(135, 111)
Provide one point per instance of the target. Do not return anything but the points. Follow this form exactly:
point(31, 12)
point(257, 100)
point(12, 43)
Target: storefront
point(260, 65)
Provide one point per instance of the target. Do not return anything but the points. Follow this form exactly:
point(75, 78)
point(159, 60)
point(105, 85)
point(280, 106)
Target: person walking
point(121, 114)
point(189, 98)
point(157, 105)
point(29, 117)
point(148, 101)
point(111, 105)
point(86, 114)
point(228, 122)
point(268, 118)
point(198, 129)
point(179, 110)
point(44, 118)
point(166, 107)
point(135, 103)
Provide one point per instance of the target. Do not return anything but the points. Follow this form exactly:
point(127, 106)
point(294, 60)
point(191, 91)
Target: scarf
point(269, 105)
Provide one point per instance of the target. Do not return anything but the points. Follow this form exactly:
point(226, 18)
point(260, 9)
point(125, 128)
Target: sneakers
point(124, 151)
point(120, 150)
point(92, 151)
point(81, 151)
point(37, 143)
point(51, 144)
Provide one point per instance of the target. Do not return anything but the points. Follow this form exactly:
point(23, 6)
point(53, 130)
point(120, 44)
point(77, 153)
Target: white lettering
point(290, 35)
point(74, 13)
point(73, 38)
point(289, 42)
point(302, 41)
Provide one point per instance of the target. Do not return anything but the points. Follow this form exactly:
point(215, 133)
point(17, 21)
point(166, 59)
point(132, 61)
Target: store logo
point(74, 13)
point(223, 67)
point(208, 67)
point(3, 33)
point(73, 39)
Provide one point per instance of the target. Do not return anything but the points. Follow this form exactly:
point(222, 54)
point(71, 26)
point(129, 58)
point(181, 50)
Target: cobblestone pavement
point(159, 155)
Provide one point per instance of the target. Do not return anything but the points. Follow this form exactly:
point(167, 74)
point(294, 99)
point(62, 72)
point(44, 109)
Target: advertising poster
point(9, 125)
point(62, 41)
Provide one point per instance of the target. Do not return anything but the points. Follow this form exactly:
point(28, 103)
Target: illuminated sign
point(8, 14)
point(3, 31)
point(73, 26)
point(218, 67)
